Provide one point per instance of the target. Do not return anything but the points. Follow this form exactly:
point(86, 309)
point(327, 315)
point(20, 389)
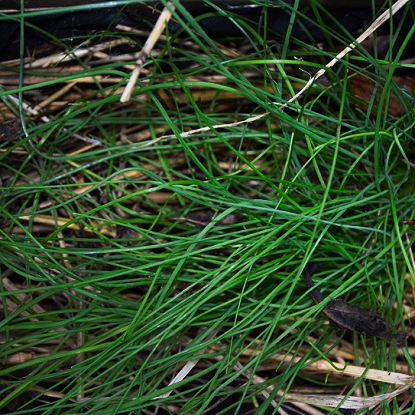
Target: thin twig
point(386, 15)
point(147, 48)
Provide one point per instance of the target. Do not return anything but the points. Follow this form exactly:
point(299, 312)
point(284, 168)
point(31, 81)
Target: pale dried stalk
point(147, 48)
point(386, 15)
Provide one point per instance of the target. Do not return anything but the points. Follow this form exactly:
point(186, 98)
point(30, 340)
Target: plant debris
point(343, 315)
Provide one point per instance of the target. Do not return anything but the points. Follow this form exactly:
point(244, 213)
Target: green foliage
point(145, 247)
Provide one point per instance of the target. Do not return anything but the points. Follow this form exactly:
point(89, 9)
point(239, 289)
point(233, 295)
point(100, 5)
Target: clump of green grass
point(133, 244)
